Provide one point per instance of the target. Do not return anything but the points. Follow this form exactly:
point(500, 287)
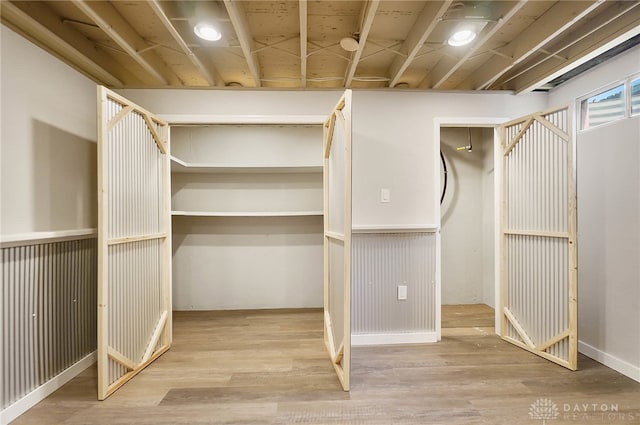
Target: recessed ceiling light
point(461, 37)
point(207, 31)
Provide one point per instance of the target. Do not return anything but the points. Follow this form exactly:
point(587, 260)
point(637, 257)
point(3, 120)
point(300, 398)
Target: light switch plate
point(385, 195)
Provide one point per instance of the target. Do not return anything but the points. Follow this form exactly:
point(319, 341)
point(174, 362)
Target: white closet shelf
point(180, 166)
point(246, 213)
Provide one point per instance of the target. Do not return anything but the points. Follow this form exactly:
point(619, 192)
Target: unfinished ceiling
point(521, 45)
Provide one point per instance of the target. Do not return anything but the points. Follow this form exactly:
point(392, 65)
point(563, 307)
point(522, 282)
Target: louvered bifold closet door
point(134, 249)
point(538, 259)
point(337, 237)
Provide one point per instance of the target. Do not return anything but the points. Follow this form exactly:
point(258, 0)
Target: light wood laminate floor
point(270, 367)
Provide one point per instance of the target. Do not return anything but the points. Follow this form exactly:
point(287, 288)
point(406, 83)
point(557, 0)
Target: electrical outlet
point(402, 292)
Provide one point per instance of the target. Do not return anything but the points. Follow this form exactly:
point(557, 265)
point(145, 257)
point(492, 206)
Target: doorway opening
point(468, 278)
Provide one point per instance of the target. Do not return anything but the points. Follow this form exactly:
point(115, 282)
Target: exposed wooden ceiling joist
point(369, 8)
point(211, 76)
point(239, 21)
point(302, 8)
point(608, 29)
point(552, 24)
point(113, 24)
point(421, 30)
point(40, 26)
point(137, 44)
point(448, 65)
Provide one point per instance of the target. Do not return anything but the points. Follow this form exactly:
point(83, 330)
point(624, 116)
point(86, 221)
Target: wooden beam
point(122, 359)
point(369, 14)
point(302, 6)
point(551, 126)
point(155, 337)
point(118, 117)
point(129, 239)
point(154, 133)
point(513, 142)
point(125, 378)
point(118, 29)
point(38, 23)
point(519, 329)
point(544, 30)
point(418, 35)
point(329, 126)
point(241, 26)
point(553, 341)
point(543, 354)
point(447, 65)
point(537, 233)
point(620, 22)
point(211, 76)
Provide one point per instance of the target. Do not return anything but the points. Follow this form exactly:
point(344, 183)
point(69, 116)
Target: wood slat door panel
point(538, 245)
point(134, 240)
point(337, 237)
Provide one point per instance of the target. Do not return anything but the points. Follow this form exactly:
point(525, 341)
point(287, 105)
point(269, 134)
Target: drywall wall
point(609, 240)
point(245, 262)
point(608, 183)
point(47, 183)
point(393, 141)
point(467, 217)
point(393, 148)
point(234, 102)
point(48, 150)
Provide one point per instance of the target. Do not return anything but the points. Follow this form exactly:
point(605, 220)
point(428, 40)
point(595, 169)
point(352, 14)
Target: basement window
point(605, 107)
point(635, 96)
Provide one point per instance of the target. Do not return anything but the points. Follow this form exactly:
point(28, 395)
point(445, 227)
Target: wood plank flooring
point(271, 367)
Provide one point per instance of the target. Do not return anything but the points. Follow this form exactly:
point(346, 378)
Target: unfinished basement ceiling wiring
point(520, 45)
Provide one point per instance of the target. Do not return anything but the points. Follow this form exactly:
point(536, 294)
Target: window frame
point(626, 92)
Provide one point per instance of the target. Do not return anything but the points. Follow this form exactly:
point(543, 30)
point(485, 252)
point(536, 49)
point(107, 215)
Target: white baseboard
point(396, 338)
point(43, 391)
point(624, 367)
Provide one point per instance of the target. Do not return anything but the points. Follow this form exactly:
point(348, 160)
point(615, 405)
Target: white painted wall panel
point(48, 160)
point(609, 239)
point(238, 263)
point(235, 102)
point(393, 148)
point(47, 183)
point(468, 218)
point(608, 210)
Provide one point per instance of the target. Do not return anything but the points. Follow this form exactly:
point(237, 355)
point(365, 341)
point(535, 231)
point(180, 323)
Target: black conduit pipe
point(444, 168)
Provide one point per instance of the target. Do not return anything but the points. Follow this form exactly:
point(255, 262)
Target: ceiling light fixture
point(461, 37)
point(350, 44)
point(207, 31)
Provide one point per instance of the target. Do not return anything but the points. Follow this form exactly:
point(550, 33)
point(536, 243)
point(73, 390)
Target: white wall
point(467, 217)
point(48, 150)
point(240, 263)
point(608, 180)
point(234, 102)
point(609, 240)
point(393, 147)
point(47, 183)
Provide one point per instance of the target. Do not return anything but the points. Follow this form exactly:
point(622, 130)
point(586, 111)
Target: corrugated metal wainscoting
point(381, 262)
point(48, 312)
